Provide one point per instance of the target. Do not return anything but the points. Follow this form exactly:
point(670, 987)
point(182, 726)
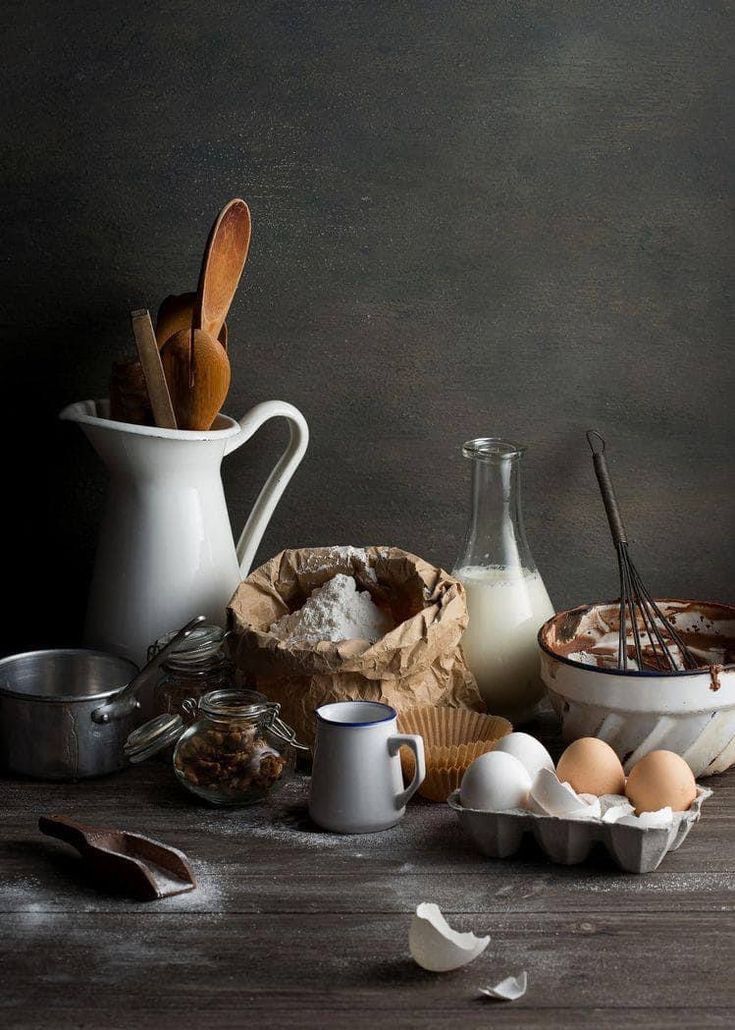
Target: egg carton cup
point(568, 841)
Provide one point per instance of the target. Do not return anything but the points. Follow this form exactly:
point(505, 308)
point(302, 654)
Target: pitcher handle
point(416, 742)
point(279, 478)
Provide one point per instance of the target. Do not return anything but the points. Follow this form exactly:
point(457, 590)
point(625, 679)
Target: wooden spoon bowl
point(198, 374)
point(177, 312)
point(224, 259)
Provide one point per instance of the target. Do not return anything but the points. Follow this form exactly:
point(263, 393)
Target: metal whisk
point(637, 607)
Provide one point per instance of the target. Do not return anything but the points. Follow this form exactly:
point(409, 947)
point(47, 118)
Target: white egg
point(495, 782)
point(435, 946)
point(548, 796)
point(530, 752)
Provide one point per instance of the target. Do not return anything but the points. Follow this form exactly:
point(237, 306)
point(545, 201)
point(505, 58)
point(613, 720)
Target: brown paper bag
point(417, 663)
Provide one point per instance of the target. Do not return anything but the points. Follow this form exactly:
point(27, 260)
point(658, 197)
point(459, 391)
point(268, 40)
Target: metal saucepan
point(65, 714)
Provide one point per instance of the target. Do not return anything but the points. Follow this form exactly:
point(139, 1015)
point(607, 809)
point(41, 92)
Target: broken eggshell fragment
point(435, 946)
point(510, 989)
point(615, 813)
point(549, 796)
point(661, 819)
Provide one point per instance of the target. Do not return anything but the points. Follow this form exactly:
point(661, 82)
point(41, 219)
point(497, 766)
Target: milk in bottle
point(506, 597)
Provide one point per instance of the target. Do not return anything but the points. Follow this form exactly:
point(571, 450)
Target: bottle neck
point(495, 535)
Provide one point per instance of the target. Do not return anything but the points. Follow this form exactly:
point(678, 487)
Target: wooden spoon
point(224, 260)
point(129, 401)
point(177, 312)
point(198, 375)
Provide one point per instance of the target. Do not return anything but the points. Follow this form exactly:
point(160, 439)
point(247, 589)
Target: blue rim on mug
point(389, 713)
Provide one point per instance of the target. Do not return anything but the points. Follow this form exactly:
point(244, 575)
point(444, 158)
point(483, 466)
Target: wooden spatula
point(140, 866)
point(224, 260)
point(150, 360)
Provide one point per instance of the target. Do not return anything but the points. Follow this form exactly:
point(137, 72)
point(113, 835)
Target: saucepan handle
point(280, 476)
point(416, 743)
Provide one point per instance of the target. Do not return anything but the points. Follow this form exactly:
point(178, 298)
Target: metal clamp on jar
point(237, 752)
point(197, 666)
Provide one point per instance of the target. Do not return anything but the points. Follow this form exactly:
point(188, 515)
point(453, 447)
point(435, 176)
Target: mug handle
point(279, 478)
point(416, 742)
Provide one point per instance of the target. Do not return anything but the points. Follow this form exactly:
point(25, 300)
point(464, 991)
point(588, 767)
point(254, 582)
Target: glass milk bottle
point(506, 597)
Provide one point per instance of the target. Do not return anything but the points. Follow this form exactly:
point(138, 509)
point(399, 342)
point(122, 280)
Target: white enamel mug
point(356, 781)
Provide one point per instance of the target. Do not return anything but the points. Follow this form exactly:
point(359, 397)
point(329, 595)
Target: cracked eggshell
point(611, 800)
point(495, 782)
point(615, 813)
point(510, 989)
point(591, 810)
point(658, 820)
point(548, 796)
point(435, 946)
point(530, 752)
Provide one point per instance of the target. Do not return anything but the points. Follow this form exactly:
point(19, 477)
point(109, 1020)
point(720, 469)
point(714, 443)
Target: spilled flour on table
point(662, 882)
point(284, 819)
point(55, 893)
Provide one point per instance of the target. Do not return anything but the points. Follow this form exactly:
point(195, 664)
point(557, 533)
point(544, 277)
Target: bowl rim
point(632, 673)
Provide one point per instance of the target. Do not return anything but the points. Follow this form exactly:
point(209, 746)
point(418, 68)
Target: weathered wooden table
point(291, 927)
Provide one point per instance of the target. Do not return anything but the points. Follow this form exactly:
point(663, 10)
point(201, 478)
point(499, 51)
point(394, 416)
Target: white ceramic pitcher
point(166, 551)
point(356, 779)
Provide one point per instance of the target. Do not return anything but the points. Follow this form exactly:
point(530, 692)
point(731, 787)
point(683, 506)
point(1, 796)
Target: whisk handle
point(602, 472)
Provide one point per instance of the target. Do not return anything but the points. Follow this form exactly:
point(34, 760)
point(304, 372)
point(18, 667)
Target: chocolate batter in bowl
point(691, 712)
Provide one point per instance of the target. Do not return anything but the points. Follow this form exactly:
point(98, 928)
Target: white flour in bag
point(335, 611)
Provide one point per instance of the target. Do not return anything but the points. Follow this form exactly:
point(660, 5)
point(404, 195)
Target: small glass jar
point(237, 752)
point(199, 665)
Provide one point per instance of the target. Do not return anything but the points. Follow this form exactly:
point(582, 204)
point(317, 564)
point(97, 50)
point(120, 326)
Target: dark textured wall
point(469, 218)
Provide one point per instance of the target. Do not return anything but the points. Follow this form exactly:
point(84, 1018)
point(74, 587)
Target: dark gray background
point(469, 219)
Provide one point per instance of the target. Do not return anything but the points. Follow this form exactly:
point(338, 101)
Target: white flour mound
point(335, 611)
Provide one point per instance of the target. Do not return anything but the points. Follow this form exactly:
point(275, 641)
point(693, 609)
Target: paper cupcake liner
point(444, 727)
point(453, 739)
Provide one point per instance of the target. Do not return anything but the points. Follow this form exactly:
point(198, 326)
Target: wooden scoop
point(142, 867)
point(224, 260)
point(198, 375)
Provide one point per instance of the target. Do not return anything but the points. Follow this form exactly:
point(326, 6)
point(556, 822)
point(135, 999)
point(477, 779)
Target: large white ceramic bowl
point(689, 712)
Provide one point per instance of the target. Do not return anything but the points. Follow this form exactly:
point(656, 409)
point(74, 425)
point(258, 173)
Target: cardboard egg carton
point(568, 841)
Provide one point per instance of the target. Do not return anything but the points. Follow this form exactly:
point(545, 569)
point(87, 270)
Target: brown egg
point(591, 766)
point(659, 780)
